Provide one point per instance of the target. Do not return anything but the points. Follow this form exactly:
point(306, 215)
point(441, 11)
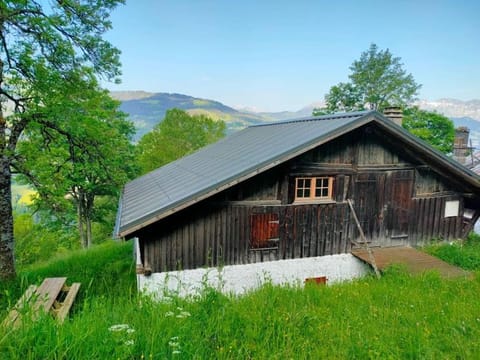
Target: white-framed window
point(313, 188)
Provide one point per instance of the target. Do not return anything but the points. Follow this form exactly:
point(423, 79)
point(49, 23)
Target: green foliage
point(83, 173)
point(51, 56)
point(40, 241)
point(343, 97)
point(399, 316)
point(381, 79)
point(177, 135)
point(436, 129)
point(377, 80)
point(60, 37)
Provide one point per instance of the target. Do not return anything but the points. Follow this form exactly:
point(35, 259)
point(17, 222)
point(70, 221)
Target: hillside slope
point(146, 110)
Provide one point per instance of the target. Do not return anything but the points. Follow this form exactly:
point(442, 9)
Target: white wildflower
point(169, 313)
point(175, 352)
point(174, 342)
point(183, 314)
point(129, 342)
point(119, 327)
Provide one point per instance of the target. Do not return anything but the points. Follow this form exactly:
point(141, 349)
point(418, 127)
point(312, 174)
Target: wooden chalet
point(281, 190)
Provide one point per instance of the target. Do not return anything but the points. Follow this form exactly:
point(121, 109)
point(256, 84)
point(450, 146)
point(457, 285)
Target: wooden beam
point(67, 303)
point(364, 239)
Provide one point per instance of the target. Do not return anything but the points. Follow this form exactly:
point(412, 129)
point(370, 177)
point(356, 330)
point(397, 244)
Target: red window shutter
point(264, 228)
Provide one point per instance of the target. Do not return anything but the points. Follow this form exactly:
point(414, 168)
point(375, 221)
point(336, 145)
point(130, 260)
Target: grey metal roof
point(231, 160)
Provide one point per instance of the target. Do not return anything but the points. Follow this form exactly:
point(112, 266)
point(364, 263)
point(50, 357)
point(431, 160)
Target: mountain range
point(146, 109)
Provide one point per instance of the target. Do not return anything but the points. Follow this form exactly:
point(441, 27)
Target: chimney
point(460, 144)
point(394, 113)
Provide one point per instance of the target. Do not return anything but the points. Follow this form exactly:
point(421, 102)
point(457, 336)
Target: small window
point(452, 208)
point(313, 188)
point(264, 231)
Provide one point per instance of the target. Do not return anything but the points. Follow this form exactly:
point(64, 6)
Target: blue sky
point(283, 55)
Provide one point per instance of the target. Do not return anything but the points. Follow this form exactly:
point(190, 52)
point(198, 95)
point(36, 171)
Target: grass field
point(398, 316)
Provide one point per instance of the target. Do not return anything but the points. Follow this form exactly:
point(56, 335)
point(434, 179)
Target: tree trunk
point(89, 199)
point(7, 260)
point(88, 222)
point(81, 228)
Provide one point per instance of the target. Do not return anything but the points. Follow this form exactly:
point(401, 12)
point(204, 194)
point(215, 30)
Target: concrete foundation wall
point(238, 279)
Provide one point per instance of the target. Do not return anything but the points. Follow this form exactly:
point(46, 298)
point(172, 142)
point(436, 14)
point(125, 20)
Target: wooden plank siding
point(304, 231)
point(398, 199)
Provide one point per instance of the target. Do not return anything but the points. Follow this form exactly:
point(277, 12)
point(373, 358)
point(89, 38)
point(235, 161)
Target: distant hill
point(286, 115)
point(148, 109)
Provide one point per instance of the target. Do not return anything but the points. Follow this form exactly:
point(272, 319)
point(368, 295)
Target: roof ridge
point(343, 115)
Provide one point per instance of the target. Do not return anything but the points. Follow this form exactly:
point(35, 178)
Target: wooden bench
point(52, 296)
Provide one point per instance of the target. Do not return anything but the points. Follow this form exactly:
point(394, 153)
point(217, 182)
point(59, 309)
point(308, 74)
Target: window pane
point(322, 186)
point(306, 193)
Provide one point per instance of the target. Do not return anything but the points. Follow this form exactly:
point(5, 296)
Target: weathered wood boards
point(415, 261)
point(53, 296)
point(364, 240)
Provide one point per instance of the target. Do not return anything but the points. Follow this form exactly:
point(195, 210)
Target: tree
point(96, 162)
point(343, 97)
point(436, 129)
point(377, 80)
point(47, 53)
point(177, 135)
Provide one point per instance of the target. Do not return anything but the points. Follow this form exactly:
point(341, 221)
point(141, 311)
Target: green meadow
point(397, 317)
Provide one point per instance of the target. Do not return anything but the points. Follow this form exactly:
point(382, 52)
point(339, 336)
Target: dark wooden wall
point(398, 199)
point(221, 235)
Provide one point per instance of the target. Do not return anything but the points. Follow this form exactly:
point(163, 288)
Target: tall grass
point(464, 254)
point(399, 316)
point(104, 270)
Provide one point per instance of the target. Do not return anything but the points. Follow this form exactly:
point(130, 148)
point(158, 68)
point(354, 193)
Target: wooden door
point(383, 202)
point(399, 192)
point(368, 204)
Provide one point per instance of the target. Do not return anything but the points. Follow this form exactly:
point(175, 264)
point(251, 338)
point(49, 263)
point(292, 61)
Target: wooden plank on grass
point(48, 292)
point(67, 303)
point(14, 316)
